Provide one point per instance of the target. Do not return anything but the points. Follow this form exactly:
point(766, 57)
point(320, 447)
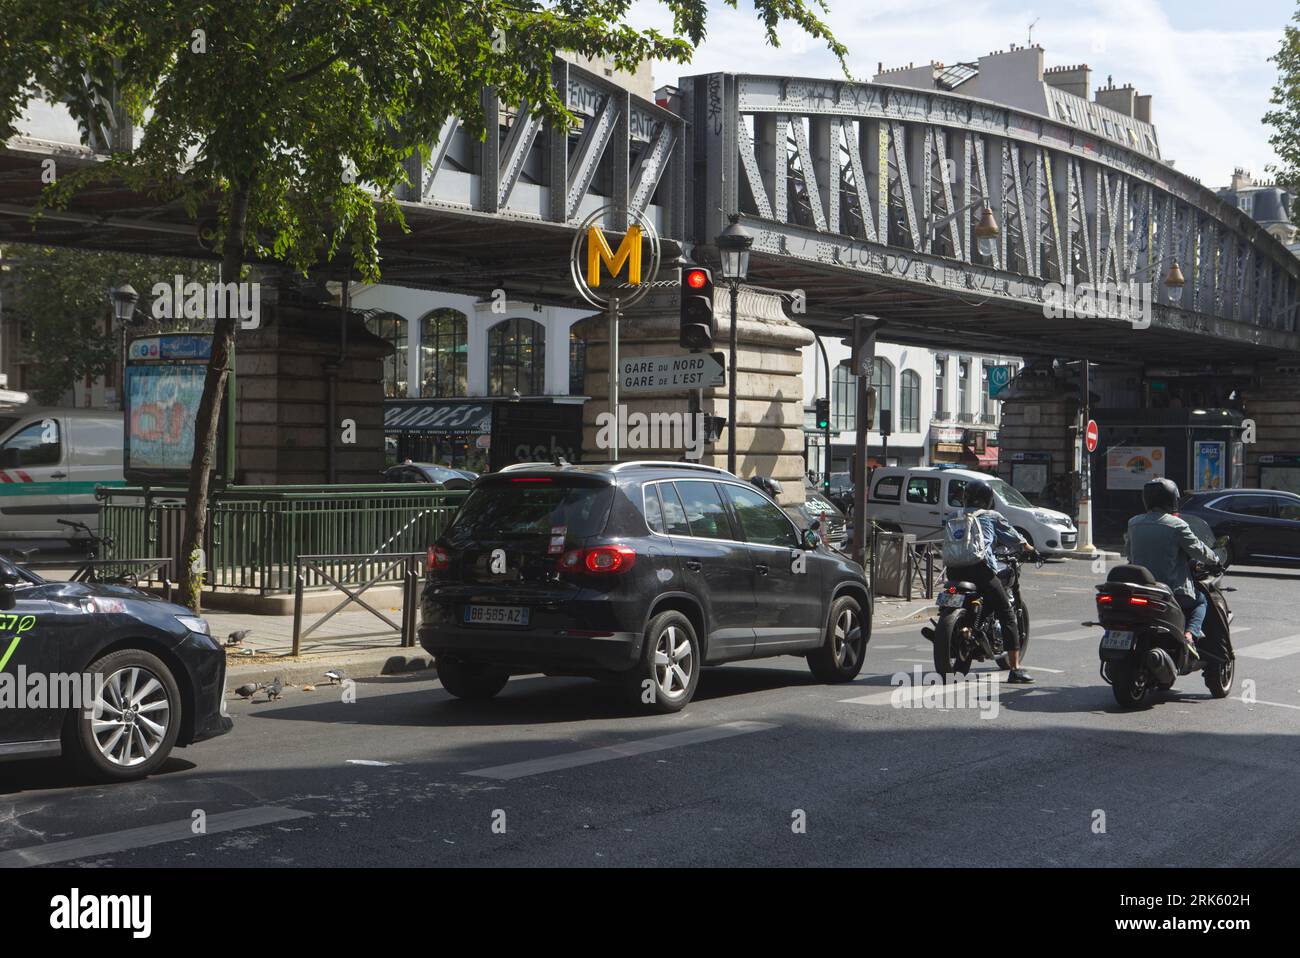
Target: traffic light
point(697, 326)
point(823, 414)
point(713, 426)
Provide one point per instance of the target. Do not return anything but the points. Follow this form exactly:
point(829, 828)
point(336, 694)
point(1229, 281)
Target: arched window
point(577, 361)
point(882, 380)
point(910, 401)
point(844, 399)
point(444, 351)
point(391, 328)
point(517, 358)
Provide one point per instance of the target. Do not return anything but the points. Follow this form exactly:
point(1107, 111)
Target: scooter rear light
point(1105, 599)
point(1138, 600)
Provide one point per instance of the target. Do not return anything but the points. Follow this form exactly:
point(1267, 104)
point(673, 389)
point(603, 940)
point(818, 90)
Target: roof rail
point(514, 466)
point(664, 462)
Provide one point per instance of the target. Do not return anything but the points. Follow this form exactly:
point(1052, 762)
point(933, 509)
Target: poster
point(1131, 467)
point(1208, 462)
point(162, 402)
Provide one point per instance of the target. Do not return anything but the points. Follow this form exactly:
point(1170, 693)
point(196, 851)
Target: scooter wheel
point(1129, 683)
point(1218, 678)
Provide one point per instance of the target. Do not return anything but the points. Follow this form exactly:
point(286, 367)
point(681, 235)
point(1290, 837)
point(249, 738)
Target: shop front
point(447, 432)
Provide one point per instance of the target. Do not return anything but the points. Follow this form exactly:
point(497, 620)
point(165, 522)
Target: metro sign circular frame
point(586, 269)
point(1090, 436)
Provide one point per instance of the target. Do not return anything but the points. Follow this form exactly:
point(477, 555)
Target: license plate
point(1111, 639)
point(496, 615)
point(951, 600)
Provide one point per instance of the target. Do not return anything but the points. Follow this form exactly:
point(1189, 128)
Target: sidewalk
point(357, 642)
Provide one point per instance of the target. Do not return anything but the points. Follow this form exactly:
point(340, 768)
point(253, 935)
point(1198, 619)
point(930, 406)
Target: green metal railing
point(255, 534)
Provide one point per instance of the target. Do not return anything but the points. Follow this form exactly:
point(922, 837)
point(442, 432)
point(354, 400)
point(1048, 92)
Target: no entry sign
point(1090, 436)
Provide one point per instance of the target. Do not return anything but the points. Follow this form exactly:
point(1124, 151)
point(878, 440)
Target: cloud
point(1210, 82)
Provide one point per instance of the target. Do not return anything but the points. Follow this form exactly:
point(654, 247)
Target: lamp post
point(986, 230)
point(124, 299)
point(733, 246)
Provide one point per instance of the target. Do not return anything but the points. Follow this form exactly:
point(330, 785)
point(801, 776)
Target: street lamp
point(986, 230)
point(1174, 278)
point(123, 299)
point(733, 245)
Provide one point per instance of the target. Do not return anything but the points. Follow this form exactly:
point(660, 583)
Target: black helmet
point(979, 495)
point(768, 485)
point(1160, 494)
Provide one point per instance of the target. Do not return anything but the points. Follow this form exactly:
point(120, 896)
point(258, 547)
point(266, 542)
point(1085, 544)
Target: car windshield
point(527, 508)
point(18, 575)
point(1010, 494)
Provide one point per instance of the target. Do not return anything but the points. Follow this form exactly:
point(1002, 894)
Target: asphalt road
point(558, 772)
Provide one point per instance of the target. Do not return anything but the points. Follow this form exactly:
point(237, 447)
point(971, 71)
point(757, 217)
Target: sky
point(1205, 62)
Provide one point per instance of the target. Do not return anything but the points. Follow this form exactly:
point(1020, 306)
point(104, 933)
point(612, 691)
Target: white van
point(51, 460)
point(919, 500)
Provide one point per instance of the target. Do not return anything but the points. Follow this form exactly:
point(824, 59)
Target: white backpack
point(963, 541)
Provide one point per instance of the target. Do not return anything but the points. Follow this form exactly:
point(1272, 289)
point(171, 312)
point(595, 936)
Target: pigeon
point(274, 689)
point(249, 690)
point(236, 638)
point(335, 676)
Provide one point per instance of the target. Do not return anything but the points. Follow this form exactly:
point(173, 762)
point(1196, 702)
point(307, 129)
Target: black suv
point(636, 571)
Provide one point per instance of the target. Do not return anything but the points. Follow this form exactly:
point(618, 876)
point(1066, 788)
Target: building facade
point(936, 406)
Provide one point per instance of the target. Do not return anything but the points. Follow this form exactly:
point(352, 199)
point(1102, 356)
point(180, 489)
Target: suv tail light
point(599, 560)
point(438, 559)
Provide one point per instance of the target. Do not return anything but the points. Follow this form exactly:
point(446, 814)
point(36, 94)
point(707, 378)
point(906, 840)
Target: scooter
point(1143, 649)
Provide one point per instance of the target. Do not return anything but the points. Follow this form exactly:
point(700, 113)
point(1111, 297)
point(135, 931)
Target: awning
point(437, 417)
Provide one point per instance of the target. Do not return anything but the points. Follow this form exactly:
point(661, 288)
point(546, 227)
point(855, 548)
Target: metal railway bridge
point(842, 185)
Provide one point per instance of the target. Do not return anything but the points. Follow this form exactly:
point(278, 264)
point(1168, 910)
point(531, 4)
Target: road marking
point(110, 843)
point(1063, 636)
point(369, 761)
point(901, 694)
point(1281, 705)
point(1039, 668)
point(1048, 623)
point(889, 646)
point(1271, 650)
point(607, 753)
point(899, 629)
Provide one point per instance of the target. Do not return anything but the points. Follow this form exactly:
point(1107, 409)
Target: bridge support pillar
point(769, 440)
point(1273, 406)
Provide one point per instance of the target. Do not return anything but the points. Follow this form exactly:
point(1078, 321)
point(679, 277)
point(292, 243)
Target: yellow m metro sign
point(598, 251)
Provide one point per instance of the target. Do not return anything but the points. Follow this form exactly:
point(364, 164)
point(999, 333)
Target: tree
point(1285, 120)
point(61, 298)
point(294, 118)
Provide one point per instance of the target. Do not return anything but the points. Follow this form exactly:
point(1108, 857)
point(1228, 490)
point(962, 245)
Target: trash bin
point(890, 567)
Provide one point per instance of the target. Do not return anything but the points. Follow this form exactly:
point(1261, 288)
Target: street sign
point(1090, 436)
point(999, 379)
point(646, 374)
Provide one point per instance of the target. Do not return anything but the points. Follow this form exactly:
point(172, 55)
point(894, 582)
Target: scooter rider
point(1165, 544)
point(984, 575)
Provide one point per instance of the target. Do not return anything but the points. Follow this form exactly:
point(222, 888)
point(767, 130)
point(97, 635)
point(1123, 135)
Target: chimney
point(1075, 79)
point(1121, 99)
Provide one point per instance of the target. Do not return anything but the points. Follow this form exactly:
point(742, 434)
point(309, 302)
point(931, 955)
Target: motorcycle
point(967, 629)
point(1142, 646)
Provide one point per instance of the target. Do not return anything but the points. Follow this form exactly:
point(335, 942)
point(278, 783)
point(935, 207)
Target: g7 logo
point(9, 623)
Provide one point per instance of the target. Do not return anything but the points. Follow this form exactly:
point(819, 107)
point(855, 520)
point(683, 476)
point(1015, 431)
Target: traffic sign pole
point(1085, 467)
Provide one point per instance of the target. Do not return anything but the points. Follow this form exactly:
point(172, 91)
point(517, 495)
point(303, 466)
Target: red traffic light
point(697, 278)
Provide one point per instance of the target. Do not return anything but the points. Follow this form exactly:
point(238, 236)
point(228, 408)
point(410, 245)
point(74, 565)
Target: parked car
point(443, 476)
point(920, 499)
point(1262, 525)
point(51, 460)
point(814, 507)
point(163, 675)
point(639, 572)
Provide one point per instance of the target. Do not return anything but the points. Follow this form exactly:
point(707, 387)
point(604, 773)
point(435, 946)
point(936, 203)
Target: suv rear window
point(520, 509)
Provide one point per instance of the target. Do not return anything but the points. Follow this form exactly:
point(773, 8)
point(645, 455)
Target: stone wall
point(281, 399)
point(1274, 405)
point(769, 398)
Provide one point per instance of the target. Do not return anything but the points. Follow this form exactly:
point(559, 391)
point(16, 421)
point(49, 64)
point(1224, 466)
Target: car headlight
point(195, 624)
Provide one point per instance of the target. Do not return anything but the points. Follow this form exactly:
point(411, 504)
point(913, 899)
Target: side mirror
point(8, 596)
point(811, 540)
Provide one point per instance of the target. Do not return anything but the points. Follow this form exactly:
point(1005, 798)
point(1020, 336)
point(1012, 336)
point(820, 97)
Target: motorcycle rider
point(985, 575)
point(1163, 543)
